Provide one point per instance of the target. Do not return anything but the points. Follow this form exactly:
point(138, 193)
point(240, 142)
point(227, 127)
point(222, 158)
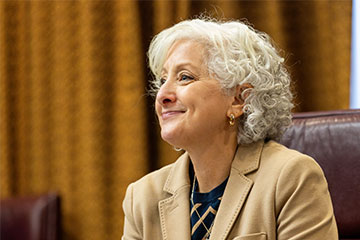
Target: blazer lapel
point(237, 189)
point(175, 210)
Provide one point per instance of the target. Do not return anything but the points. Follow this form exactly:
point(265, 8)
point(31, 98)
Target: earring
point(231, 119)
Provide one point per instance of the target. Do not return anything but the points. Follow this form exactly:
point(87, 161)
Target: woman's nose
point(166, 93)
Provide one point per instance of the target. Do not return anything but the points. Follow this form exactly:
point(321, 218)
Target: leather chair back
point(333, 140)
point(30, 218)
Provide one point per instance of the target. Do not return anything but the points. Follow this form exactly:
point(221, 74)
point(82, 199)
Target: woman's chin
point(171, 137)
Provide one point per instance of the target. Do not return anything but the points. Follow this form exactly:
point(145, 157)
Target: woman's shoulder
point(145, 193)
point(281, 157)
point(153, 181)
point(276, 150)
point(156, 181)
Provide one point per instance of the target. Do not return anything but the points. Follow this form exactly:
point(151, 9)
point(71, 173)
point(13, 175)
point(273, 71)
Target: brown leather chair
point(30, 218)
point(333, 140)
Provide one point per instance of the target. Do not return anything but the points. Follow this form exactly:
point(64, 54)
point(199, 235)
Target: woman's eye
point(185, 77)
point(162, 81)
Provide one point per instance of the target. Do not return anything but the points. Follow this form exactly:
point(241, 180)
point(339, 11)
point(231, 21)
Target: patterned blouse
point(203, 208)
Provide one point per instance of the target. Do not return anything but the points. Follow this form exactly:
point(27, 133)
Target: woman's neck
point(212, 163)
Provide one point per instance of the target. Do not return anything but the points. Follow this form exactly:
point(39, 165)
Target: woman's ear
point(241, 93)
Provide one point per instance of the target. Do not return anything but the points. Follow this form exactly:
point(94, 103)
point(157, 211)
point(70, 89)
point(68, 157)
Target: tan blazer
point(272, 193)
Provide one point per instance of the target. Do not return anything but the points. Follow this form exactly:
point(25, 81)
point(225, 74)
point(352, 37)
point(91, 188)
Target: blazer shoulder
point(153, 181)
point(282, 154)
point(140, 204)
point(279, 158)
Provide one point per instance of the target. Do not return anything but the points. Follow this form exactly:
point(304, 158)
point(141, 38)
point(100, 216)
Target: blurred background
point(75, 117)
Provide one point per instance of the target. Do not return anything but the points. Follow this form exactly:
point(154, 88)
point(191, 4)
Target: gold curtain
point(73, 110)
point(74, 114)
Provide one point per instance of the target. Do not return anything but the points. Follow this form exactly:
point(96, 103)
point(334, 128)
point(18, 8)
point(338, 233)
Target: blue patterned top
point(206, 205)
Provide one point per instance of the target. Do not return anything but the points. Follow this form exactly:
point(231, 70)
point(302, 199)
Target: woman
point(222, 95)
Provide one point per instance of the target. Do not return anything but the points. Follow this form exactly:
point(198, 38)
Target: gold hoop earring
point(231, 119)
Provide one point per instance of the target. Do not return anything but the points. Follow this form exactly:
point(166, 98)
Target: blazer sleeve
point(130, 229)
point(303, 204)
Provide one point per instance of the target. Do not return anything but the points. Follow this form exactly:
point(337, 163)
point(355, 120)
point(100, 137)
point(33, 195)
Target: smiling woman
point(222, 94)
point(190, 102)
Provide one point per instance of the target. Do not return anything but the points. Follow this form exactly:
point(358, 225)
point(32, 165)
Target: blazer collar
point(175, 210)
point(247, 157)
point(246, 160)
point(179, 175)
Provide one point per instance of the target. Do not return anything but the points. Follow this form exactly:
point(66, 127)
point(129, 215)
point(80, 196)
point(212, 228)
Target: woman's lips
point(169, 114)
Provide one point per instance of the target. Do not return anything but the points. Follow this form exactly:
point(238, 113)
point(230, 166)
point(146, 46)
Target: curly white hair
point(236, 54)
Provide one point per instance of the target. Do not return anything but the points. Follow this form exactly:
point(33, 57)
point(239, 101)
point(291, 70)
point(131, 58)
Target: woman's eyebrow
point(180, 66)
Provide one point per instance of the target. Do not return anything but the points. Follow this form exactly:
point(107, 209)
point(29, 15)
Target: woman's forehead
point(184, 53)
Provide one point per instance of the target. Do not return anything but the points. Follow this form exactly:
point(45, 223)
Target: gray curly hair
point(236, 54)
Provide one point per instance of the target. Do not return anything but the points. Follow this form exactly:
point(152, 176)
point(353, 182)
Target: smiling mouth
point(170, 114)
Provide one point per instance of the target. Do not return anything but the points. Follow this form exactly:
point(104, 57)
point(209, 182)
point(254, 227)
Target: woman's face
point(191, 107)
